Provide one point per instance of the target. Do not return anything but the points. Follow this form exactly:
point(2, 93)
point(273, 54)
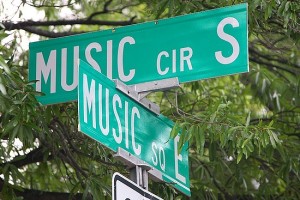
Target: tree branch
point(49, 34)
point(30, 26)
point(270, 65)
point(49, 6)
point(20, 25)
point(221, 189)
point(36, 155)
point(105, 10)
point(31, 194)
point(64, 136)
point(252, 50)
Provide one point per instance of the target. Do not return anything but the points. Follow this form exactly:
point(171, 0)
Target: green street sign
point(117, 121)
point(191, 47)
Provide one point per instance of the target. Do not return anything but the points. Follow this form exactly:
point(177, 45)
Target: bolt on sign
point(112, 118)
point(191, 47)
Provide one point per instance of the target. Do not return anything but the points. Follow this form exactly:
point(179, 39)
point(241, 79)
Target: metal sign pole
point(139, 170)
point(139, 175)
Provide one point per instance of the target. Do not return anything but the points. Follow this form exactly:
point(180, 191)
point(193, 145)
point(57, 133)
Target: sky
point(12, 10)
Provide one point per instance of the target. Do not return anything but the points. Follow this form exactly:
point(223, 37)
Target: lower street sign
point(125, 189)
point(117, 121)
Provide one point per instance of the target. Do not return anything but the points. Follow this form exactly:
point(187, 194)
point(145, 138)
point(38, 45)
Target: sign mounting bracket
point(138, 168)
point(138, 92)
point(143, 89)
point(135, 96)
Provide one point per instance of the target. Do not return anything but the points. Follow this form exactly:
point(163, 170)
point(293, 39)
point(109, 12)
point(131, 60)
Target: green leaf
point(2, 89)
point(275, 137)
point(14, 133)
point(181, 140)
point(223, 139)
point(201, 141)
point(2, 86)
point(213, 117)
point(266, 138)
point(248, 119)
point(250, 147)
point(268, 12)
point(222, 106)
point(86, 190)
point(175, 130)
point(212, 151)
point(247, 140)
point(287, 5)
point(9, 126)
point(271, 123)
point(162, 8)
point(75, 189)
point(245, 152)
point(281, 7)
point(4, 65)
point(191, 132)
point(272, 139)
point(239, 157)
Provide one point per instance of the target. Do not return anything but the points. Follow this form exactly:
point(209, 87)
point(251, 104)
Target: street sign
point(125, 189)
point(191, 47)
point(117, 121)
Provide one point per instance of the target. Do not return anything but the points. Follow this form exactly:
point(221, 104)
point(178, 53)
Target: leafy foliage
point(243, 130)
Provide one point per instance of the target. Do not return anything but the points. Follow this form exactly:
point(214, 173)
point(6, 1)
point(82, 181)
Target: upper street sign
point(125, 189)
point(191, 47)
point(117, 121)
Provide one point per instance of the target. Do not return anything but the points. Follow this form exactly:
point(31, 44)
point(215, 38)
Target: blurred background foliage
point(243, 130)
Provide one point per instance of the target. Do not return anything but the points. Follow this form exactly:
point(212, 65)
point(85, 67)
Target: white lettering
point(174, 60)
point(88, 56)
point(122, 76)
point(185, 55)
point(154, 148)
point(159, 157)
point(126, 125)
point(228, 38)
point(89, 100)
point(109, 59)
point(162, 158)
point(64, 73)
point(186, 58)
point(136, 148)
point(159, 70)
point(105, 130)
point(116, 99)
point(178, 157)
point(44, 69)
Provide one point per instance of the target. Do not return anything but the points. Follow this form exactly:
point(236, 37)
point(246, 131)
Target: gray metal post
point(139, 170)
point(139, 175)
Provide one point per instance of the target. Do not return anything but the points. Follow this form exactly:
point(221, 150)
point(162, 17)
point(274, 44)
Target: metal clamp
point(143, 89)
point(138, 92)
point(139, 174)
point(135, 96)
point(139, 170)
